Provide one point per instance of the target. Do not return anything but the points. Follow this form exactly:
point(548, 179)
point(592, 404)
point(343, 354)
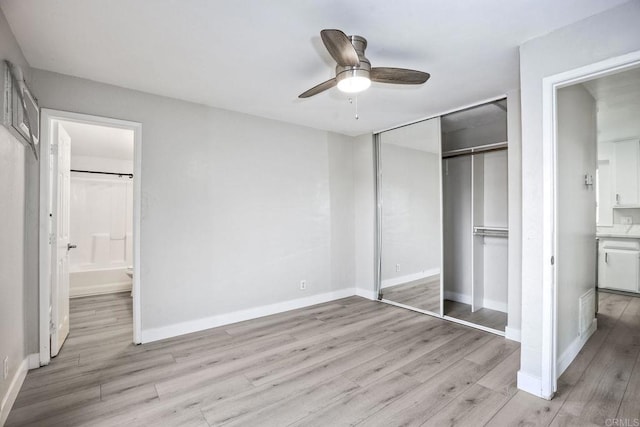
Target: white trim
point(531, 384)
point(512, 334)
point(33, 361)
point(550, 85)
point(574, 348)
point(474, 325)
point(442, 113)
point(494, 305)
point(99, 289)
point(466, 299)
point(47, 116)
point(402, 280)
point(366, 293)
point(441, 201)
point(12, 392)
point(410, 307)
point(155, 334)
point(447, 318)
point(457, 297)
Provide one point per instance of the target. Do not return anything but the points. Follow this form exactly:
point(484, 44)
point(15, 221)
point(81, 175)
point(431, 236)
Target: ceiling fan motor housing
point(361, 70)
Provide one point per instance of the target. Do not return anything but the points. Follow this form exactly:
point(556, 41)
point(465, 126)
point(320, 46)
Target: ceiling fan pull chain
point(351, 102)
point(357, 117)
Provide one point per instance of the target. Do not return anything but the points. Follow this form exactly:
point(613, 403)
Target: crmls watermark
point(622, 422)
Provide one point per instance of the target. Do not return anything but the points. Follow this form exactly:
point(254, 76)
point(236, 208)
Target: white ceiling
point(618, 101)
point(257, 56)
point(99, 141)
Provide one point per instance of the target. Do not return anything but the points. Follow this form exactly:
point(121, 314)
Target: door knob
point(70, 246)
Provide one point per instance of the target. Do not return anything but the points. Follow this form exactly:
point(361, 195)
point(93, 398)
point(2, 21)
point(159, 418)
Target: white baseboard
point(33, 361)
point(457, 297)
point(14, 387)
point(466, 299)
point(512, 334)
point(530, 384)
point(366, 293)
point(574, 348)
point(101, 289)
point(182, 328)
point(494, 305)
point(395, 281)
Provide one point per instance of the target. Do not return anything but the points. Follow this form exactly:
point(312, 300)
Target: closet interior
point(442, 216)
point(475, 212)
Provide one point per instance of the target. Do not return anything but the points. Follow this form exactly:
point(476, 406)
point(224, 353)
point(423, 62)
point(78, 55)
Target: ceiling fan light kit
point(353, 81)
point(353, 70)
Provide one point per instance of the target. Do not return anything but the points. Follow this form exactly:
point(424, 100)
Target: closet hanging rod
point(491, 231)
point(498, 146)
point(130, 175)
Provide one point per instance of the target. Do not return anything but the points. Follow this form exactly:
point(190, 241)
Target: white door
point(60, 241)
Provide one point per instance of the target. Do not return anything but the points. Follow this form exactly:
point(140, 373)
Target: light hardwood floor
point(490, 318)
point(346, 362)
point(423, 294)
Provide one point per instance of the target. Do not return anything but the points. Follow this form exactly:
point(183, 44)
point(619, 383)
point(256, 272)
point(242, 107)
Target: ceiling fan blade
point(340, 48)
point(400, 76)
point(319, 88)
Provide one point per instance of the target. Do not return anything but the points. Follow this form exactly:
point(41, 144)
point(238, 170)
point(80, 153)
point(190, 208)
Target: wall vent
point(587, 310)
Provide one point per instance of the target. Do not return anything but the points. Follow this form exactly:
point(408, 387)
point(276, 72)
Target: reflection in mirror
point(410, 215)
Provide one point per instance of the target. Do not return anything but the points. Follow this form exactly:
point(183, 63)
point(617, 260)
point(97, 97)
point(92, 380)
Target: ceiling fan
point(354, 72)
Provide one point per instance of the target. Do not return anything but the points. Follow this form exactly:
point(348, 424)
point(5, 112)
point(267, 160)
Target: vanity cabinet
point(619, 264)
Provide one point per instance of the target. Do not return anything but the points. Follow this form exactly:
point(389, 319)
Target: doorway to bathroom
point(89, 219)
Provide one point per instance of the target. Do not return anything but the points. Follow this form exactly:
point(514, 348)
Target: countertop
point(618, 236)
point(619, 231)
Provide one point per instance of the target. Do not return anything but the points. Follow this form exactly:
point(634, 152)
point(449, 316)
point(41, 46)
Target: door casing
point(48, 116)
point(550, 86)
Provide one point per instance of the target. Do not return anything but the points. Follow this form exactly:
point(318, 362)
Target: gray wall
point(13, 211)
point(236, 210)
point(576, 227)
point(609, 34)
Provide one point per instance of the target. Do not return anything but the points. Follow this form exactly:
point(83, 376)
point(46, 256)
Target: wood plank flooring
point(346, 362)
point(490, 318)
point(423, 294)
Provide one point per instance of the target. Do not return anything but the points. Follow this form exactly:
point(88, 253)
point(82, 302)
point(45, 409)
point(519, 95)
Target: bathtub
point(98, 281)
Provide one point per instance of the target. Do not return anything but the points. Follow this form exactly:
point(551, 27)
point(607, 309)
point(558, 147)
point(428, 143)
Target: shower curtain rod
point(130, 175)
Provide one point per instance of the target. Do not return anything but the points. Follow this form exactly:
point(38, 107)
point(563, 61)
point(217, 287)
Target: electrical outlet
point(5, 368)
point(303, 285)
point(627, 220)
point(397, 267)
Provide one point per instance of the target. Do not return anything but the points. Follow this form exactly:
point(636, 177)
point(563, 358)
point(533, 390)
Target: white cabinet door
point(626, 172)
point(619, 269)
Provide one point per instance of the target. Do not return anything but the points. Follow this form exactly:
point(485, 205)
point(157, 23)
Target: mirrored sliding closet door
point(410, 216)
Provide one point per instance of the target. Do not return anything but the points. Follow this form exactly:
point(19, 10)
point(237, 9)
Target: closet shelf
point(478, 149)
point(491, 231)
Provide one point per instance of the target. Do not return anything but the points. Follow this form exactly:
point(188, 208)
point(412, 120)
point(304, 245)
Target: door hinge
point(52, 326)
point(52, 237)
point(54, 148)
point(553, 260)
